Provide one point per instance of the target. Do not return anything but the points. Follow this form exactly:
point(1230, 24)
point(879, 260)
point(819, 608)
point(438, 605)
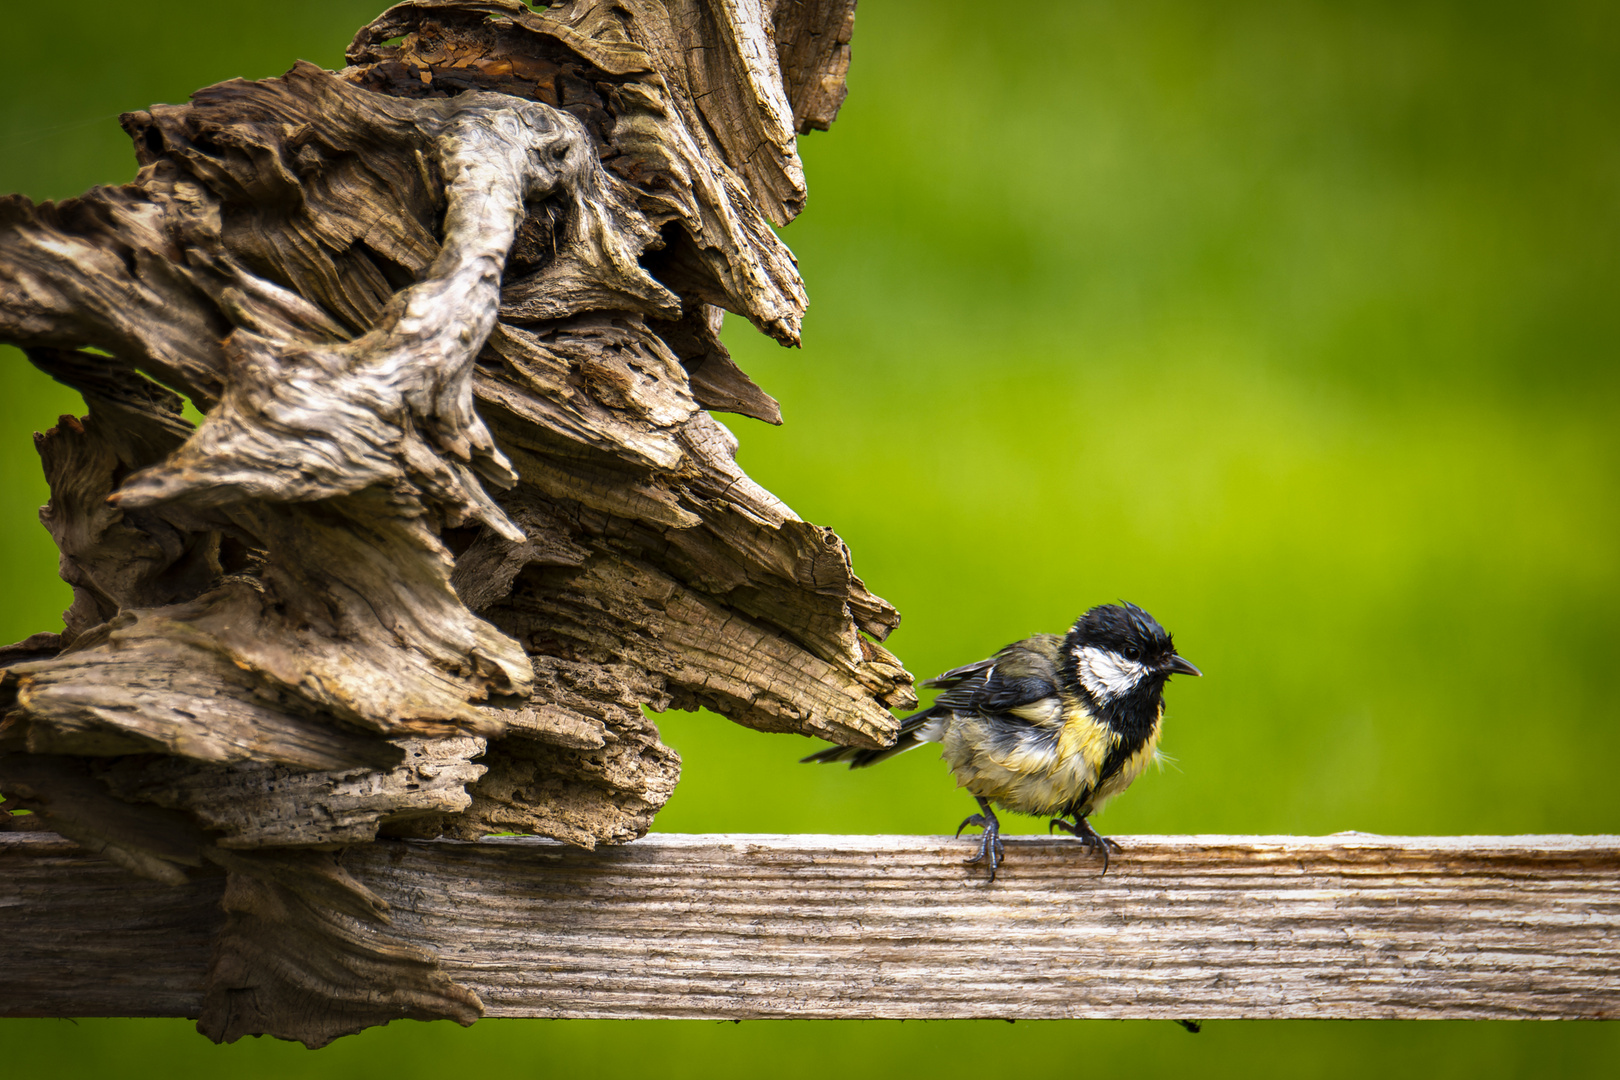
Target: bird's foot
point(991, 851)
point(1081, 829)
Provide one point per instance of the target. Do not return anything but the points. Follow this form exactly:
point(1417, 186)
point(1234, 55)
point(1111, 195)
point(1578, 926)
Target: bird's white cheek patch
point(1107, 674)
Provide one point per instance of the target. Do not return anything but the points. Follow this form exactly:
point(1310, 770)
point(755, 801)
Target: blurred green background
point(1294, 323)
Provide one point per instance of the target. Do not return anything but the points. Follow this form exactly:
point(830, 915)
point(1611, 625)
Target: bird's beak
point(1179, 666)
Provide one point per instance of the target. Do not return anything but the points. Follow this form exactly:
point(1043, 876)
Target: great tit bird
point(1050, 726)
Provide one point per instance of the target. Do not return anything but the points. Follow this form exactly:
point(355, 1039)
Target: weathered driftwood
point(739, 927)
point(457, 510)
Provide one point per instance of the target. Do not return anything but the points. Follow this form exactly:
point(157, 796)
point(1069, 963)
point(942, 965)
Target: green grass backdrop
point(1294, 322)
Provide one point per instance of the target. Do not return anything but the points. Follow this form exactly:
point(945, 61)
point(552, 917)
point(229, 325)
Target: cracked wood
point(739, 927)
point(457, 510)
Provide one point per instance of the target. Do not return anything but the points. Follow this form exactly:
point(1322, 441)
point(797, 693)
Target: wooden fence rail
point(736, 927)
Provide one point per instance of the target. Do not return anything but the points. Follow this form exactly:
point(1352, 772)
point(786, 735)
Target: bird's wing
point(959, 674)
point(1020, 680)
point(1014, 689)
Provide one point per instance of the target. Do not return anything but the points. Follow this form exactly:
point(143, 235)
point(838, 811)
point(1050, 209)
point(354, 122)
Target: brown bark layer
point(456, 511)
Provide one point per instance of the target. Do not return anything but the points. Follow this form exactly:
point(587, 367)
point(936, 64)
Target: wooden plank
point(737, 927)
point(80, 936)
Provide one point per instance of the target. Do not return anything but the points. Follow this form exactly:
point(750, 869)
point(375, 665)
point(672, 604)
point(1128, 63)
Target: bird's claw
point(1081, 829)
point(972, 819)
point(991, 850)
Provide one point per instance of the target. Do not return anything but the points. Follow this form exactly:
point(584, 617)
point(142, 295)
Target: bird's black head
point(1118, 651)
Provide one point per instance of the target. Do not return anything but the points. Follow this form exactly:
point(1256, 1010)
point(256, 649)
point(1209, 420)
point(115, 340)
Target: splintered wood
point(458, 509)
point(744, 927)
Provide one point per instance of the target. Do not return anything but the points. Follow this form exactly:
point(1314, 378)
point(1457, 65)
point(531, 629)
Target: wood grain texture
point(457, 510)
point(739, 927)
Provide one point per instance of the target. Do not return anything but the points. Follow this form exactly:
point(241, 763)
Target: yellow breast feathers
point(1084, 737)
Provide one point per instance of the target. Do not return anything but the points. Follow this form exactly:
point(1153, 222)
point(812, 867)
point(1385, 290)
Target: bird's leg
point(1081, 828)
point(990, 849)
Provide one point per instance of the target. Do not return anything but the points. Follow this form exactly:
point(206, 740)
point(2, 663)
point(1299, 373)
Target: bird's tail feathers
point(859, 757)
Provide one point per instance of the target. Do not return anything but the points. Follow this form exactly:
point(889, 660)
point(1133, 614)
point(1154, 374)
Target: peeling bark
point(457, 510)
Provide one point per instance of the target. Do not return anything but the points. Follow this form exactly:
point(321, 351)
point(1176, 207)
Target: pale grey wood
point(740, 926)
point(457, 512)
point(442, 310)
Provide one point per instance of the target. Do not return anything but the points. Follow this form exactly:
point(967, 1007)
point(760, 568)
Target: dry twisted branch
point(456, 511)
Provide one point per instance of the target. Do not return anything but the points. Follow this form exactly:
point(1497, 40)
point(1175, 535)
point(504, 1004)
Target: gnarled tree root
point(456, 511)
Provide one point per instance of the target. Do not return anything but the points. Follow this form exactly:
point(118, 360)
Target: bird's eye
point(1132, 653)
